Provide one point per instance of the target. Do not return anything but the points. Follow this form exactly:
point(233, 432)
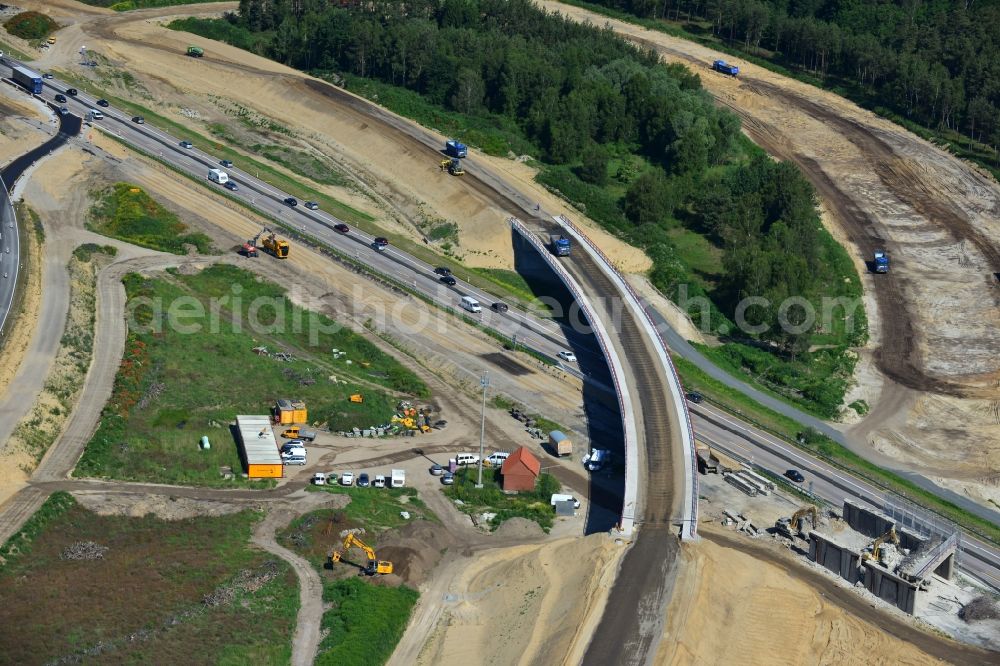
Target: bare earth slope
point(935, 317)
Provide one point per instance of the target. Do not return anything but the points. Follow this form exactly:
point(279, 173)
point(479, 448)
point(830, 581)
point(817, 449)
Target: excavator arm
point(374, 566)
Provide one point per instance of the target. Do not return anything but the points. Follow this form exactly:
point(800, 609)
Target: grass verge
point(126, 212)
point(185, 377)
point(534, 505)
point(179, 591)
point(365, 622)
point(828, 450)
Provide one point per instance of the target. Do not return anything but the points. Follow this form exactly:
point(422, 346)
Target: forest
point(933, 62)
point(637, 144)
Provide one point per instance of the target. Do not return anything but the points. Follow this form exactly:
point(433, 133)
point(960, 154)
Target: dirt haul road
point(935, 318)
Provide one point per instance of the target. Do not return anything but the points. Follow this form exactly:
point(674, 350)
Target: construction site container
point(560, 443)
point(290, 411)
point(258, 448)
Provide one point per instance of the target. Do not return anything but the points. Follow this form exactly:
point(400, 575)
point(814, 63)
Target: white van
point(471, 304)
point(218, 176)
point(466, 459)
point(497, 459)
point(96, 115)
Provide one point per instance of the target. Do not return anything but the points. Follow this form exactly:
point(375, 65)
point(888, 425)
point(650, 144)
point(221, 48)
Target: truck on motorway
point(724, 68)
point(28, 78)
point(456, 148)
point(218, 176)
point(560, 245)
point(881, 261)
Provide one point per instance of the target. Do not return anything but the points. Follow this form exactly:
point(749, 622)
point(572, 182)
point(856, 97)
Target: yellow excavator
point(790, 526)
point(272, 244)
point(374, 566)
point(876, 551)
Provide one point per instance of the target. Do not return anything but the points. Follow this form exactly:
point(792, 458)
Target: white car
point(568, 356)
point(347, 479)
point(379, 481)
point(318, 479)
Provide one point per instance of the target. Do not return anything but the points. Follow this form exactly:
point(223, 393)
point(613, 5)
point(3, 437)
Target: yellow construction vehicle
point(276, 246)
point(789, 527)
point(374, 565)
point(453, 166)
point(889, 536)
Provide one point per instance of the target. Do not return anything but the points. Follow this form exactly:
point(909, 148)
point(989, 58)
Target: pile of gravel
point(980, 608)
point(84, 550)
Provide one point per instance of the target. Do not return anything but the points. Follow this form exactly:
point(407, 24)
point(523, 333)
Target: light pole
point(484, 381)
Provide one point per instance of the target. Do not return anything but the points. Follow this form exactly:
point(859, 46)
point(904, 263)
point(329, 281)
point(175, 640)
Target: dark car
point(231, 186)
point(499, 306)
point(795, 475)
point(291, 201)
point(138, 120)
point(63, 110)
point(186, 144)
point(363, 480)
point(226, 163)
point(695, 397)
point(442, 270)
point(71, 92)
point(103, 102)
point(341, 228)
point(380, 243)
point(61, 99)
point(449, 280)
point(311, 205)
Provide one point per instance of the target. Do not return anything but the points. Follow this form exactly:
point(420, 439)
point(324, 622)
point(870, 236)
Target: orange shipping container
point(291, 411)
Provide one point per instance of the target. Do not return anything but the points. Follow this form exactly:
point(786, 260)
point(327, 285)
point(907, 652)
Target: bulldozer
point(789, 527)
point(374, 565)
point(272, 244)
point(453, 166)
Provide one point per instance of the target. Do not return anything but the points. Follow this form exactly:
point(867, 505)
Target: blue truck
point(456, 148)
point(27, 78)
point(729, 70)
point(560, 245)
point(881, 262)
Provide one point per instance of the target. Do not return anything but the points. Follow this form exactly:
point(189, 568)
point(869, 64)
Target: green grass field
point(175, 386)
point(126, 212)
point(365, 622)
point(144, 601)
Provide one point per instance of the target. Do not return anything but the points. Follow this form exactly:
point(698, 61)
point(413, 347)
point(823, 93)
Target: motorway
point(544, 336)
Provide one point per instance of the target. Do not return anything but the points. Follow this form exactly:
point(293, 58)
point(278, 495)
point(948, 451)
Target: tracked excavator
point(789, 527)
point(876, 551)
point(374, 565)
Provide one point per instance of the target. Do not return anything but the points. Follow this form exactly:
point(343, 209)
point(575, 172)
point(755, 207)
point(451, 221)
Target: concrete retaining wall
point(838, 559)
point(629, 505)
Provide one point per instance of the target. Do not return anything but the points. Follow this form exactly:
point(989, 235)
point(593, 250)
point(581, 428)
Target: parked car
point(795, 475)
point(449, 280)
point(695, 397)
point(311, 205)
point(436, 470)
point(291, 201)
point(442, 270)
point(363, 481)
point(71, 92)
point(341, 228)
point(138, 120)
point(226, 163)
point(347, 479)
point(448, 479)
point(568, 356)
point(103, 102)
point(379, 481)
point(61, 98)
point(318, 479)
point(231, 185)
point(380, 243)
point(186, 144)
point(499, 307)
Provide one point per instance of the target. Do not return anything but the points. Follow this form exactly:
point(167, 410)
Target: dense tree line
point(580, 95)
point(932, 61)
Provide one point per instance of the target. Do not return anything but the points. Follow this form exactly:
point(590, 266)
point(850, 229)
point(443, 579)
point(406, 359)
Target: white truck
point(398, 478)
point(218, 176)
